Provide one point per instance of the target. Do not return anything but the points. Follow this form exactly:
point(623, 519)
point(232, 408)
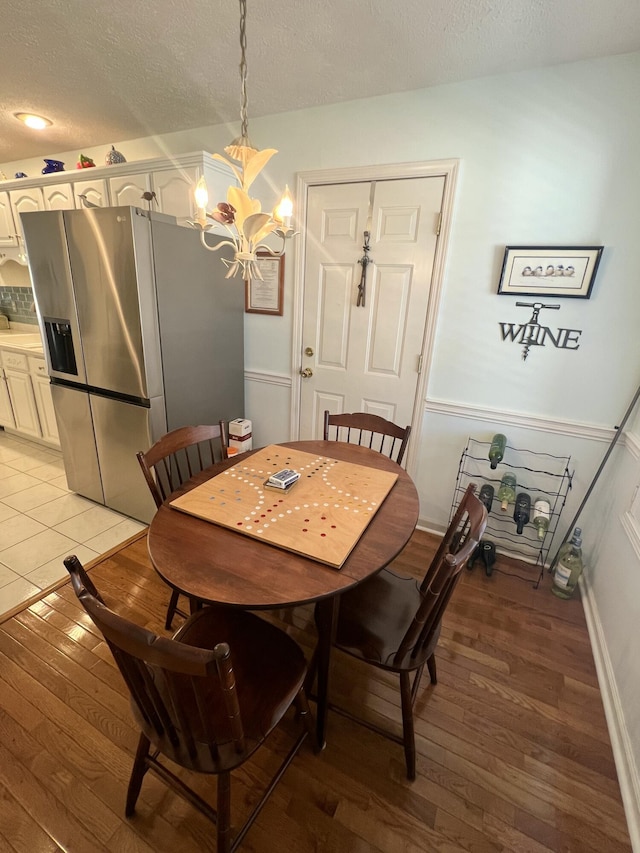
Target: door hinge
point(420, 364)
point(439, 225)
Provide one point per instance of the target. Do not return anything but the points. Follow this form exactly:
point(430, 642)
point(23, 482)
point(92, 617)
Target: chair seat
point(269, 670)
point(373, 619)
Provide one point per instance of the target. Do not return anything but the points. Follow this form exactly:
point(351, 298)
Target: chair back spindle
point(444, 571)
point(370, 431)
point(174, 459)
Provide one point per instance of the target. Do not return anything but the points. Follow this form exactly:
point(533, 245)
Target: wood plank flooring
point(513, 749)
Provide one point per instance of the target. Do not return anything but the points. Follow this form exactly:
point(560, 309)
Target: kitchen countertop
point(22, 341)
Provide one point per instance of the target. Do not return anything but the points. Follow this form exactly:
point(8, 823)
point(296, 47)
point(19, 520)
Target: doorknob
point(308, 351)
point(306, 373)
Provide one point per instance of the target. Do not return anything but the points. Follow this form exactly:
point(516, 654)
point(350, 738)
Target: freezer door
point(112, 269)
point(75, 427)
point(121, 429)
point(46, 244)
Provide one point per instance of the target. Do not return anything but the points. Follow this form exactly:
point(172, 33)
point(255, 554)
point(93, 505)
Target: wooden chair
point(368, 430)
point(174, 458)
point(206, 699)
point(393, 622)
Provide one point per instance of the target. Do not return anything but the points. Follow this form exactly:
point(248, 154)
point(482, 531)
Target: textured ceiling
point(120, 69)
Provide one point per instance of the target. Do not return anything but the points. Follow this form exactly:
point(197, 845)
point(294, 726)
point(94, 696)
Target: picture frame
point(567, 271)
point(265, 296)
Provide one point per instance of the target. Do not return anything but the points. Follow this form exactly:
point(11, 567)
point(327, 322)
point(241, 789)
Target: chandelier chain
point(244, 121)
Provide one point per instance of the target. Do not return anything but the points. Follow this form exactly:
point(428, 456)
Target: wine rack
point(540, 475)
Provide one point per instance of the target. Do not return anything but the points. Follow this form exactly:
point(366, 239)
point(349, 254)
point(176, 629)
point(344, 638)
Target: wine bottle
point(485, 495)
point(568, 570)
point(507, 491)
point(522, 511)
point(496, 451)
point(566, 546)
point(541, 516)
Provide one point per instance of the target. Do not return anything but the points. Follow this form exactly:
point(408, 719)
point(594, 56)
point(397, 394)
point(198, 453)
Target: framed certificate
point(265, 296)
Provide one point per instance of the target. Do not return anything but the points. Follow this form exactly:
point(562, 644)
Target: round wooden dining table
point(219, 565)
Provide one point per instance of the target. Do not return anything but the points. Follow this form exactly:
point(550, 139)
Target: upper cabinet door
point(128, 189)
point(95, 192)
point(24, 201)
point(58, 197)
point(7, 226)
point(174, 190)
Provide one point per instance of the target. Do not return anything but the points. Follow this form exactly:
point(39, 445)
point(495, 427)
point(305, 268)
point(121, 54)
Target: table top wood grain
point(214, 563)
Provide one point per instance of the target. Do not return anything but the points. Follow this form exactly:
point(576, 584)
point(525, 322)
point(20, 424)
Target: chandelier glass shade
point(245, 224)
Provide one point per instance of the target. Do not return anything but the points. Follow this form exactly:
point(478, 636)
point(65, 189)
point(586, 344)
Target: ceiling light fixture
point(33, 121)
point(242, 215)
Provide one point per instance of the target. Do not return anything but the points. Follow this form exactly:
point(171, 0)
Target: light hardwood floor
point(513, 749)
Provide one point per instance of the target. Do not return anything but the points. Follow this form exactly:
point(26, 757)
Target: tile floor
point(41, 521)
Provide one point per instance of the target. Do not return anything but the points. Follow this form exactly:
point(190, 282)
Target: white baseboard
point(620, 742)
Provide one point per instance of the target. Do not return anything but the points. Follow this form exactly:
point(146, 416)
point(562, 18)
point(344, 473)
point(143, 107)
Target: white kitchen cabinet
point(128, 189)
point(174, 190)
point(58, 197)
point(7, 226)
point(23, 402)
point(23, 201)
point(44, 400)
point(29, 393)
point(6, 412)
point(173, 181)
point(96, 192)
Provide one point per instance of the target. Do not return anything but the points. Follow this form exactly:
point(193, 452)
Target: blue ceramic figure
point(21, 174)
point(53, 166)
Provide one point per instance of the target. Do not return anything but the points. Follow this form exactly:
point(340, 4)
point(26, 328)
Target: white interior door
point(366, 358)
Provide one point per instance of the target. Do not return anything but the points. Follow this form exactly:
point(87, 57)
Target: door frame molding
point(448, 169)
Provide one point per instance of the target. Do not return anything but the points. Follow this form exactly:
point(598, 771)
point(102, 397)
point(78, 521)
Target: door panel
point(333, 326)
point(77, 441)
point(391, 294)
point(121, 430)
point(366, 358)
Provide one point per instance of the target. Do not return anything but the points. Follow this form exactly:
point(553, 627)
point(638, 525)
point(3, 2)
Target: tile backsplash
point(16, 295)
point(17, 304)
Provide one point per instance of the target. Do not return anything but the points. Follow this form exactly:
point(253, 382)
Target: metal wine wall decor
point(534, 334)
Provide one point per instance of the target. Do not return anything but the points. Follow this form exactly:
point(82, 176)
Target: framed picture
point(265, 296)
point(553, 271)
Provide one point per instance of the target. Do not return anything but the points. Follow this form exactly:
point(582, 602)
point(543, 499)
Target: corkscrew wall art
point(534, 334)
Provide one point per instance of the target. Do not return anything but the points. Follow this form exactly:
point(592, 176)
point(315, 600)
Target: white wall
point(548, 157)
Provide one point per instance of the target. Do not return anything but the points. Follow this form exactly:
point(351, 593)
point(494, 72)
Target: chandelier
point(246, 226)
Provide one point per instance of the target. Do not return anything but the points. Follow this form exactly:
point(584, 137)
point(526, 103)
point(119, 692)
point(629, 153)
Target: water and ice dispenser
point(60, 344)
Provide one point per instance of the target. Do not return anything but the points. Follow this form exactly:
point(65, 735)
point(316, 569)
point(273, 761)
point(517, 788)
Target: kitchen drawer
point(15, 360)
point(37, 366)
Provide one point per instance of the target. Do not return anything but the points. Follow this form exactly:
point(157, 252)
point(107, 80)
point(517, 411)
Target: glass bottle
point(568, 570)
point(485, 496)
point(507, 491)
point(566, 546)
point(541, 516)
point(496, 451)
point(522, 511)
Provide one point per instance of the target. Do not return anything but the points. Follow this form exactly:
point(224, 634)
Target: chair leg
point(431, 666)
point(223, 822)
point(416, 683)
point(137, 775)
point(171, 609)
point(407, 725)
point(304, 712)
point(312, 669)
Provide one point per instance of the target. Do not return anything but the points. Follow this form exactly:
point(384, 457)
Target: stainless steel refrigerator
point(142, 334)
